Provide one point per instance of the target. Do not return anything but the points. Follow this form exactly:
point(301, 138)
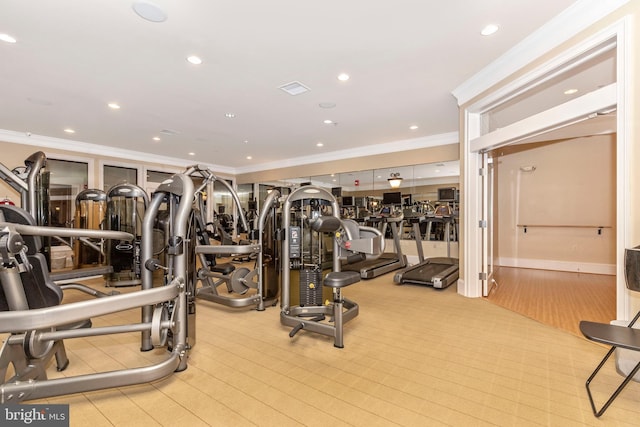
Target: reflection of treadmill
point(388, 261)
point(438, 272)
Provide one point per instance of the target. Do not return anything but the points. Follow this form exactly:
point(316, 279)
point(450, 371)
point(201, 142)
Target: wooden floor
point(415, 356)
point(556, 298)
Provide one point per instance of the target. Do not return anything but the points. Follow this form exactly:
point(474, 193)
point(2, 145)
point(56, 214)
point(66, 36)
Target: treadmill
point(439, 272)
point(388, 261)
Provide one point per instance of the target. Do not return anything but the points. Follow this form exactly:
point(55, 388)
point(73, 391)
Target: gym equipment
point(126, 206)
point(624, 340)
point(32, 183)
point(91, 210)
point(172, 201)
point(38, 324)
point(238, 281)
point(305, 252)
point(387, 261)
point(15, 215)
point(88, 254)
point(439, 272)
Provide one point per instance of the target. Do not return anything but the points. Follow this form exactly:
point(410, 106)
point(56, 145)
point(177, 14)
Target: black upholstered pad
point(340, 279)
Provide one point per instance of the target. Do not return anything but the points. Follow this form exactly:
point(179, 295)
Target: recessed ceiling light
point(319, 144)
point(149, 11)
point(229, 115)
point(69, 130)
point(192, 153)
point(343, 77)
point(327, 122)
point(570, 91)
point(114, 106)
point(7, 38)
point(489, 29)
point(249, 157)
point(195, 60)
point(413, 127)
point(156, 138)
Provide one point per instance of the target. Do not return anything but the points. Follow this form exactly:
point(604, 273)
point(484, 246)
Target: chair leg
point(615, 394)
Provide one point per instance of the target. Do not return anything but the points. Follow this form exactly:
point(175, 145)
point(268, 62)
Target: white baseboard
point(546, 264)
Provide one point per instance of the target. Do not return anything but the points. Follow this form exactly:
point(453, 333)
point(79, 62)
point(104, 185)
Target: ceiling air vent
point(294, 88)
point(169, 132)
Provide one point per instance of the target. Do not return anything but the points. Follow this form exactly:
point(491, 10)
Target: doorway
point(485, 133)
point(555, 230)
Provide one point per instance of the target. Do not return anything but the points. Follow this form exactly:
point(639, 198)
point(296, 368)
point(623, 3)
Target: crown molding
point(370, 150)
point(99, 150)
point(568, 23)
point(102, 150)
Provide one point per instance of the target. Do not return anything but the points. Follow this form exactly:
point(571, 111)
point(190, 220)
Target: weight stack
point(310, 287)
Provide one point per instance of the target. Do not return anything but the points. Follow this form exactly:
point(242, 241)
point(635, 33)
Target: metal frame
point(308, 318)
point(618, 337)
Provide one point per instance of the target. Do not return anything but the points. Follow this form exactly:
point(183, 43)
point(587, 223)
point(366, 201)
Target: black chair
point(618, 337)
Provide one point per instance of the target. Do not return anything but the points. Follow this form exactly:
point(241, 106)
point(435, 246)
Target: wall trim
point(370, 150)
point(568, 23)
point(101, 150)
point(555, 265)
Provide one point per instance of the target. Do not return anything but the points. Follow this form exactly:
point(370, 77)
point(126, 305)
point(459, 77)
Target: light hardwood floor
point(556, 298)
point(415, 356)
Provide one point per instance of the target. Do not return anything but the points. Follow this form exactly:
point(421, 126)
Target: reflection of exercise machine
point(38, 323)
point(439, 272)
point(88, 254)
point(126, 205)
point(91, 208)
point(388, 261)
point(306, 255)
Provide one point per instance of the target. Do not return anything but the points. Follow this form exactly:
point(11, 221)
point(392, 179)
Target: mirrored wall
point(422, 188)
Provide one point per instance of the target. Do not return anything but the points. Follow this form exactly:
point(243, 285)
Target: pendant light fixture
point(395, 180)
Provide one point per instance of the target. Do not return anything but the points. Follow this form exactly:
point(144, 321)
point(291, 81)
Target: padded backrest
point(38, 287)
point(325, 224)
point(18, 215)
point(203, 238)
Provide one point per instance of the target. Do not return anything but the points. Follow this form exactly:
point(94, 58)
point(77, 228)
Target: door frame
point(474, 143)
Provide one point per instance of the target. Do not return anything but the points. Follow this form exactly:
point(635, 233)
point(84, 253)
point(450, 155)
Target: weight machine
point(38, 324)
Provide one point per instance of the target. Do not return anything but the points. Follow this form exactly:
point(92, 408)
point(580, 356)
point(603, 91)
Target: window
point(114, 175)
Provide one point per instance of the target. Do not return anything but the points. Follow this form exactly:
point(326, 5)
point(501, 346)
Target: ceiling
point(72, 58)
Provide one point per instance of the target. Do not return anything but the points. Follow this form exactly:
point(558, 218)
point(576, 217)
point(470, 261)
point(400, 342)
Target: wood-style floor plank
point(556, 298)
point(415, 356)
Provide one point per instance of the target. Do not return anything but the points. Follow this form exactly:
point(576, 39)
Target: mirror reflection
point(429, 189)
